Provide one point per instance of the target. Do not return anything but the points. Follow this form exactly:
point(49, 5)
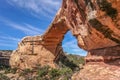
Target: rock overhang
point(94, 23)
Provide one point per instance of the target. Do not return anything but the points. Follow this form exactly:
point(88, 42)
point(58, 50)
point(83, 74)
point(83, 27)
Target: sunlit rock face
point(94, 23)
point(31, 53)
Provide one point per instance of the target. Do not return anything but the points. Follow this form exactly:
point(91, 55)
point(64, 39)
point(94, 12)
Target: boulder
point(32, 53)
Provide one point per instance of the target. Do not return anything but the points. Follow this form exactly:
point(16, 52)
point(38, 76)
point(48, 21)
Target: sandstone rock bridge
point(94, 23)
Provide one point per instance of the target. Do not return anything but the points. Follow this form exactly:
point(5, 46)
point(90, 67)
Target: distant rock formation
point(94, 23)
point(4, 57)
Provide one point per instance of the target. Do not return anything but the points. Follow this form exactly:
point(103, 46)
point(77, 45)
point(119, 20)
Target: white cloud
point(69, 43)
point(5, 37)
point(6, 45)
point(40, 31)
point(25, 28)
point(9, 38)
point(72, 47)
point(38, 7)
point(8, 41)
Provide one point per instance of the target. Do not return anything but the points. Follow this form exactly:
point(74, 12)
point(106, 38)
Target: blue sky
point(20, 18)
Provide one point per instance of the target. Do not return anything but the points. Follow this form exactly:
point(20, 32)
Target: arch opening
point(70, 45)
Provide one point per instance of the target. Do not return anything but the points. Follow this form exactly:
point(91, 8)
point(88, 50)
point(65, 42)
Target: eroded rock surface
point(101, 64)
point(32, 52)
point(98, 71)
point(94, 23)
point(104, 55)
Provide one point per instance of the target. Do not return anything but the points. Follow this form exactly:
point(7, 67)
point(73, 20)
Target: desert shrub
point(25, 72)
point(7, 70)
point(10, 70)
point(3, 67)
point(76, 59)
point(47, 73)
point(70, 61)
point(42, 78)
point(54, 73)
point(42, 73)
point(66, 73)
point(4, 77)
point(13, 70)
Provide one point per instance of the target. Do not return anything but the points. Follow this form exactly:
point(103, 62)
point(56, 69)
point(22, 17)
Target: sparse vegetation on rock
point(63, 72)
point(4, 77)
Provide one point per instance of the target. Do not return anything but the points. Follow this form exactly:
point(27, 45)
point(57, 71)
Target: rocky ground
point(68, 65)
point(98, 71)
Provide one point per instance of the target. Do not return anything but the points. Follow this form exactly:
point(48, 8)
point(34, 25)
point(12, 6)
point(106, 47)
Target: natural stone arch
point(95, 27)
point(87, 22)
point(47, 46)
point(54, 35)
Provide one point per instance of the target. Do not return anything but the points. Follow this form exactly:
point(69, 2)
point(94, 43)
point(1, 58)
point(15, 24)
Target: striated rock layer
point(31, 53)
point(94, 23)
point(98, 71)
point(101, 64)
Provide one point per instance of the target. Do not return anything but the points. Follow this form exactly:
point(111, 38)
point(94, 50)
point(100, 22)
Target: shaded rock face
point(94, 23)
point(104, 55)
point(4, 57)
